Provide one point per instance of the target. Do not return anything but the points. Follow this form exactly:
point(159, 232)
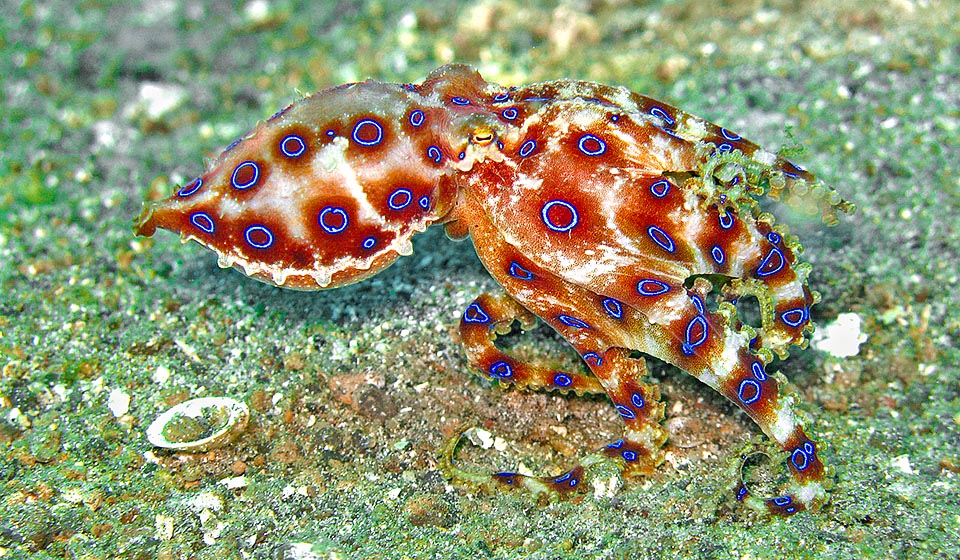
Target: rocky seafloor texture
point(353, 392)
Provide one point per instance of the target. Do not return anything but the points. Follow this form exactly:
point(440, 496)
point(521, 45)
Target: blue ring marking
point(519, 272)
point(369, 242)
point(563, 478)
point(193, 187)
point(637, 400)
point(506, 477)
point(793, 165)
point(203, 221)
point(717, 254)
point(660, 188)
point(331, 133)
point(562, 380)
point(280, 112)
point(602, 146)
point(365, 122)
point(461, 155)
point(743, 394)
point(258, 229)
point(661, 238)
point(394, 205)
point(527, 148)
point(725, 148)
point(594, 358)
point(613, 308)
point(758, 371)
point(572, 322)
point(625, 412)
point(698, 303)
point(416, 118)
point(614, 118)
point(689, 345)
point(616, 445)
point(457, 100)
point(782, 501)
point(768, 261)
point(251, 182)
point(659, 288)
point(668, 132)
point(662, 115)
point(794, 317)
point(742, 493)
point(628, 455)
point(501, 97)
point(424, 202)
point(475, 314)
point(726, 220)
point(232, 145)
point(809, 448)
point(510, 113)
point(435, 154)
point(337, 211)
point(501, 369)
point(499, 144)
point(773, 237)
point(302, 146)
point(730, 135)
point(799, 459)
point(574, 216)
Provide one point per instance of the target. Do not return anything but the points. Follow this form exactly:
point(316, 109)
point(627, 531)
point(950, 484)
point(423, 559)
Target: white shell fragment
point(199, 425)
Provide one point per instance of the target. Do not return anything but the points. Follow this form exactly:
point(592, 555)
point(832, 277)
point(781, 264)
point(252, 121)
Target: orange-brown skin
point(598, 210)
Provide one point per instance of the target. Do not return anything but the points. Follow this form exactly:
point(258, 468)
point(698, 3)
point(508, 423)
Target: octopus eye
point(483, 136)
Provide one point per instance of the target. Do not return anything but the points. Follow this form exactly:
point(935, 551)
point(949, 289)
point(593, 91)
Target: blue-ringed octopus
point(627, 225)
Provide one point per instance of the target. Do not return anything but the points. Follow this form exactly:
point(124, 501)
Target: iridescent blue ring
point(613, 308)
point(335, 211)
point(475, 314)
point(658, 288)
point(258, 229)
point(301, 146)
point(392, 200)
point(501, 369)
point(251, 182)
point(416, 118)
point(193, 187)
point(203, 221)
point(745, 386)
point(660, 188)
point(366, 122)
point(601, 145)
point(527, 148)
point(717, 253)
point(662, 115)
point(661, 238)
point(574, 216)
